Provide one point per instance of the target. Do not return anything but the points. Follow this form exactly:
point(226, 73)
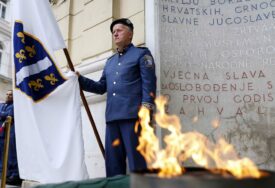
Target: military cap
point(124, 21)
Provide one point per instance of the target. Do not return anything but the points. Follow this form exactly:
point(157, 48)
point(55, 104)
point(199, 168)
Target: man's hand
point(77, 73)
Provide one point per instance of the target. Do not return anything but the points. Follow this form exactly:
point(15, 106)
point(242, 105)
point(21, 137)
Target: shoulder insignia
point(148, 61)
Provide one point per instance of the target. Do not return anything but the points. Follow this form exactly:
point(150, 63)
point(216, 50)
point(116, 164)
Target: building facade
point(85, 26)
point(5, 46)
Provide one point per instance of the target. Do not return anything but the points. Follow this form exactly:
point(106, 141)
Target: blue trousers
point(12, 159)
point(115, 155)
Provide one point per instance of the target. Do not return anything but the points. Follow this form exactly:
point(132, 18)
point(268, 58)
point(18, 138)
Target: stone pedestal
point(29, 184)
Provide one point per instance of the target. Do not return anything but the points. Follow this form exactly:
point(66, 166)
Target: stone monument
point(217, 68)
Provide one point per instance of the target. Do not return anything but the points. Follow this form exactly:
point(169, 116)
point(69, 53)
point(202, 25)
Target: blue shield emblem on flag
point(36, 74)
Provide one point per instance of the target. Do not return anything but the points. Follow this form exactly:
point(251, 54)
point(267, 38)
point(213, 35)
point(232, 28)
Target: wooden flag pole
point(7, 129)
point(86, 106)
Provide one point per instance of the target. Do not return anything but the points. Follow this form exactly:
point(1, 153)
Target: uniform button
point(114, 94)
point(116, 73)
point(114, 82)
point(119, 64)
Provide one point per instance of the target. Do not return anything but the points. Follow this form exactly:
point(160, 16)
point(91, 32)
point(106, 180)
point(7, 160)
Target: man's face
point(122, 35)
point(9, 97)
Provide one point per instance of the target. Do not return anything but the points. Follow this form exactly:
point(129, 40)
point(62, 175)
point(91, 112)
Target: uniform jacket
point(5, 111)
point(129, 79)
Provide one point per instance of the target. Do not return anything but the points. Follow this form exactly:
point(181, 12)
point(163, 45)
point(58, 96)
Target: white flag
point(46, 103)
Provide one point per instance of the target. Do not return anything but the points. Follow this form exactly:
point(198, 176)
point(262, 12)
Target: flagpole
point(5, 156)
point(86, 106)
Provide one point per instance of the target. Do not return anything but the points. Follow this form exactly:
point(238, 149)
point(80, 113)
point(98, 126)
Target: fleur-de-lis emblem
point(31, 50)
point(21, 55)
point(51, 78)
point(36, 85)
point(22, 36)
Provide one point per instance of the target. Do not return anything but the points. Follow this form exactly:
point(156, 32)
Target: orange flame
point(182, 146)
point(116, 142)
point(215, 123)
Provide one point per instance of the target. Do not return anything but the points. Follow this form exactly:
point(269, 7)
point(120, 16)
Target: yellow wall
point(85, 25)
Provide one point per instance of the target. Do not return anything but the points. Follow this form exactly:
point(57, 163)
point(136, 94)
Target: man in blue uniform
point(130, 81)
point(6, 109)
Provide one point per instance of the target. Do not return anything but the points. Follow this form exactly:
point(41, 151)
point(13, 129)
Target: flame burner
point(200, 178)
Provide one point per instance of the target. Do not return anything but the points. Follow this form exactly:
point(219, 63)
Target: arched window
point(3, 8)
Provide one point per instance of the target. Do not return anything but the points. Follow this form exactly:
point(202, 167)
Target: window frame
point(3, 9)
point(1, 52)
